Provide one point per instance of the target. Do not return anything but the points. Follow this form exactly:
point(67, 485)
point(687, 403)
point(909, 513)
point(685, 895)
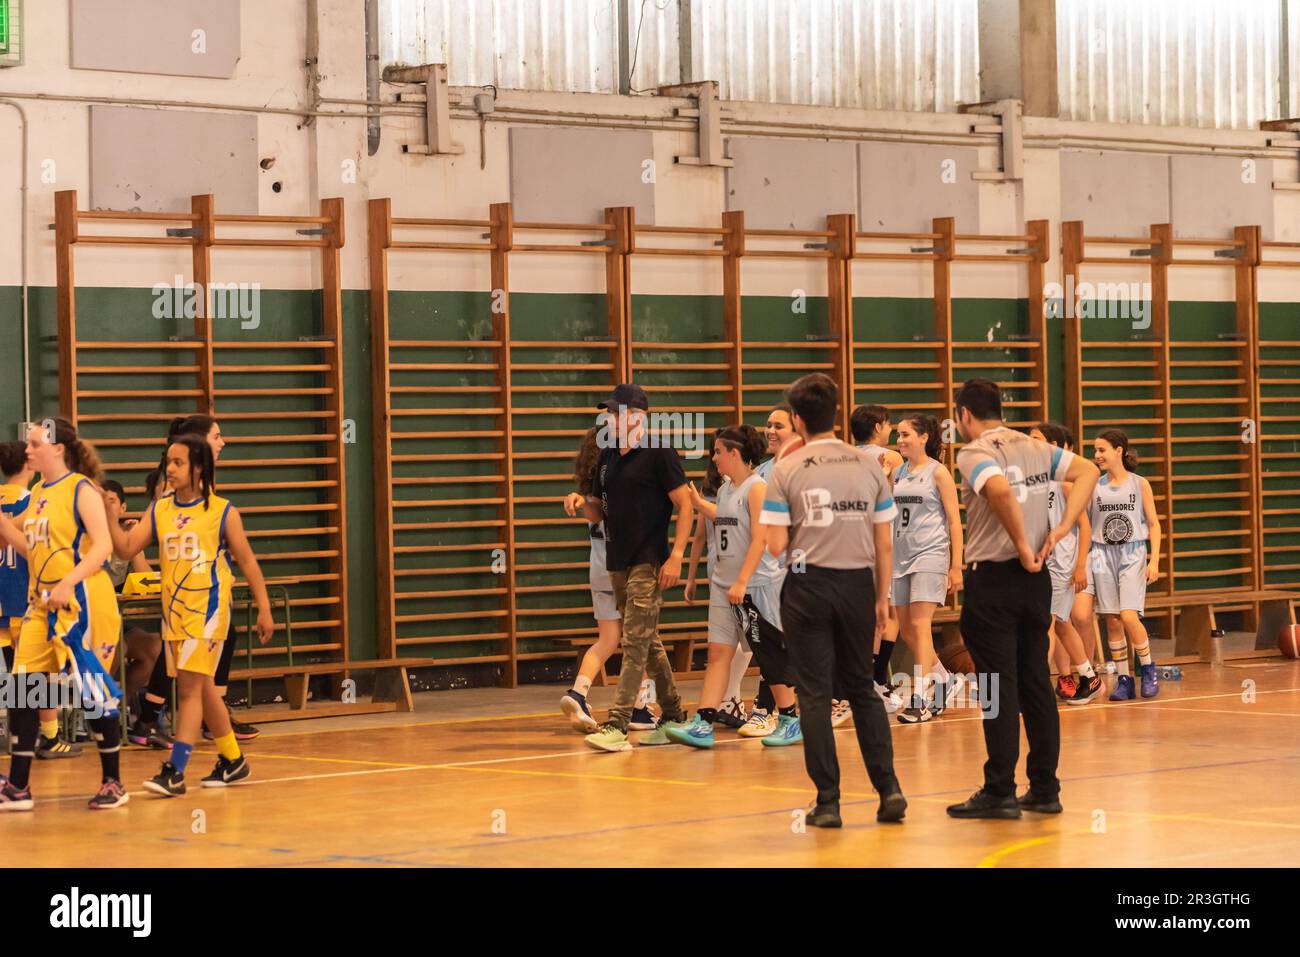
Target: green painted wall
point(777, 333)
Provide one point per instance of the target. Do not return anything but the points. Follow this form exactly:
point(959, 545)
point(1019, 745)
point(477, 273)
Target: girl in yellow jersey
point(15, 479)
point(72, 624)
point(197, 534)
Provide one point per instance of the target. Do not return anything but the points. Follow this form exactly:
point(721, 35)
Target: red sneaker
point(1066, 687)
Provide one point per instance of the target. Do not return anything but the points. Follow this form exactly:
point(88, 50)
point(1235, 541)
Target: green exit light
point(4, 26)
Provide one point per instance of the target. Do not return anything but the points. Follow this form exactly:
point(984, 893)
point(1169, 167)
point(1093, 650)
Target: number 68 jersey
point(196, 573)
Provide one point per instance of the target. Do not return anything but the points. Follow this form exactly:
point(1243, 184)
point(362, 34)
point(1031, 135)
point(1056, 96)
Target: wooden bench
point(392, 691)
point(1195, 626)
point(1195, 640)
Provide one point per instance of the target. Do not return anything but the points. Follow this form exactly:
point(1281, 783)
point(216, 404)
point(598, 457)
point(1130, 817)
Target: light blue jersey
point(921, 539)
point(732, 536)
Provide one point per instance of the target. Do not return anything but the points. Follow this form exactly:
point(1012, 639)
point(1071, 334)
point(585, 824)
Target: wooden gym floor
point(1195, 778)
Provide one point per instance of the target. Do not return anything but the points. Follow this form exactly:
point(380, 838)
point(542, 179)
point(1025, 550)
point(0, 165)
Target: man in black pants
point(831, 505)
point(638, 481)
point(1006, 608)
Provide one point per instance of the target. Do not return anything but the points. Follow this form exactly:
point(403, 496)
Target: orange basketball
point(957, 659)
point(792, 445)
point(1288, 641)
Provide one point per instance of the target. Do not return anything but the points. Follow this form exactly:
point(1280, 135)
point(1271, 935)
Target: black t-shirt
point(633, 491)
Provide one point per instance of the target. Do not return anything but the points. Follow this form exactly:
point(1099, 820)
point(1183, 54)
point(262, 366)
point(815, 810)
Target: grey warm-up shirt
point(830, 495)
point(1030, 466)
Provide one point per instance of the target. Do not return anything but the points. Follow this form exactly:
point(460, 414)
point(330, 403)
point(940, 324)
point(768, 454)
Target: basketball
point(957, 659)
point(1288, 641)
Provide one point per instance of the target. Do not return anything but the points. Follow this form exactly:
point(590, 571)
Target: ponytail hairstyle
point(584, 463)
point(78, 455)
point(928, 426)
point(1058, 435)
point(712, 477)
point(199, 425)
point(745, 439)
point(865, 420)
point(1119, 439)
point(200, 461)
point(13, 458)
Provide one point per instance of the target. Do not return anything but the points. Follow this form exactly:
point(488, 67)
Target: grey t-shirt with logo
point(830, 495)
point(1030, 466)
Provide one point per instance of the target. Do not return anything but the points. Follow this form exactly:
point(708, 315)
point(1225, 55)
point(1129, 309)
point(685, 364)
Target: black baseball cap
point(625, 394)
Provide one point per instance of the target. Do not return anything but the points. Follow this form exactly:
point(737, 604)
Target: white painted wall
point(310, 164)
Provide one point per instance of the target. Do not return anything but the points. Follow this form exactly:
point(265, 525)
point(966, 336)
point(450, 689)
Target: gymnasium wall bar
point(284, 393)
point(720, 362)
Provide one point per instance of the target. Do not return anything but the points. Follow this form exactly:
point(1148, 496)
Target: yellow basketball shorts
point(197, 655)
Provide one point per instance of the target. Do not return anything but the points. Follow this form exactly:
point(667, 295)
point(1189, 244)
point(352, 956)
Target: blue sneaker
point(574, 707)
point(788, 731)
point(697, 734)
point(1150, 681)
point(1123, 689)
point(642, 720)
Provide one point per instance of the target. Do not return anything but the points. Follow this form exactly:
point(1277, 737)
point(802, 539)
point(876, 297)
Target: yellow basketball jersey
point(196, 572)
point(56, 537)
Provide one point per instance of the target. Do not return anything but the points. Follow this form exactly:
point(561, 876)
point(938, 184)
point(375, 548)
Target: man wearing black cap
point(637, 483)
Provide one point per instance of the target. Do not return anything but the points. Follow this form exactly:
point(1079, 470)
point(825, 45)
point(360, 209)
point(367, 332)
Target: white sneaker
point(759, 725)
point(840, 712)
point(891, 699)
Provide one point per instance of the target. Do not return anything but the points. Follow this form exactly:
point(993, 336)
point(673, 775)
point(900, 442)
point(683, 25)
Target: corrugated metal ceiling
point(1170, 62)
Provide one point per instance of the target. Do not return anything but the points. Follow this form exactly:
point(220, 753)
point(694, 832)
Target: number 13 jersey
point(196, 573)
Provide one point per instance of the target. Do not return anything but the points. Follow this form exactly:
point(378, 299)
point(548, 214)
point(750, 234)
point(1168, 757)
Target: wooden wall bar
point(279, 401)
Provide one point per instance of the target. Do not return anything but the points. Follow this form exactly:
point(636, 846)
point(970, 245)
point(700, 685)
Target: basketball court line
point(484, 719)
point(391, 767)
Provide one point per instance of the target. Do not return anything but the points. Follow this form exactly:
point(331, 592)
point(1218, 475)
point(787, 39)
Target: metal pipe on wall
point(22, 228)
point(372, 76)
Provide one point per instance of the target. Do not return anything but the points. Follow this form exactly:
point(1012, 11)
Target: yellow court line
point(1244, 710)
point(994, 859)
point(575, 774)
point(258, 755)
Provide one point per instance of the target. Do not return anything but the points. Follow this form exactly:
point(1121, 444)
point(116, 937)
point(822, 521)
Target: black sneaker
point(147, 736)
point(243, 732)
point(111, 794)
point(918, 713)
point(893, 807)
point(1088, 688)
point(731, 714)
point(48, 749)
point(824, 815)
point(168, 782)
point(1039, 803)
point(227, 773)
point(981, 804)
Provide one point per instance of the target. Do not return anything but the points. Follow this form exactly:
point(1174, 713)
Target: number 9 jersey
point(196, 573)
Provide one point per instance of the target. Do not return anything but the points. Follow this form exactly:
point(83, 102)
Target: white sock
point(739, 664)
point(939, 671)
point(582, 684)
point(646, 696)
point(1086, 669)
point(1121, 665)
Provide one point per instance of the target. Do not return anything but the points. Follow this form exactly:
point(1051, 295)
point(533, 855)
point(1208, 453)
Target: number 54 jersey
point(196, 572)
